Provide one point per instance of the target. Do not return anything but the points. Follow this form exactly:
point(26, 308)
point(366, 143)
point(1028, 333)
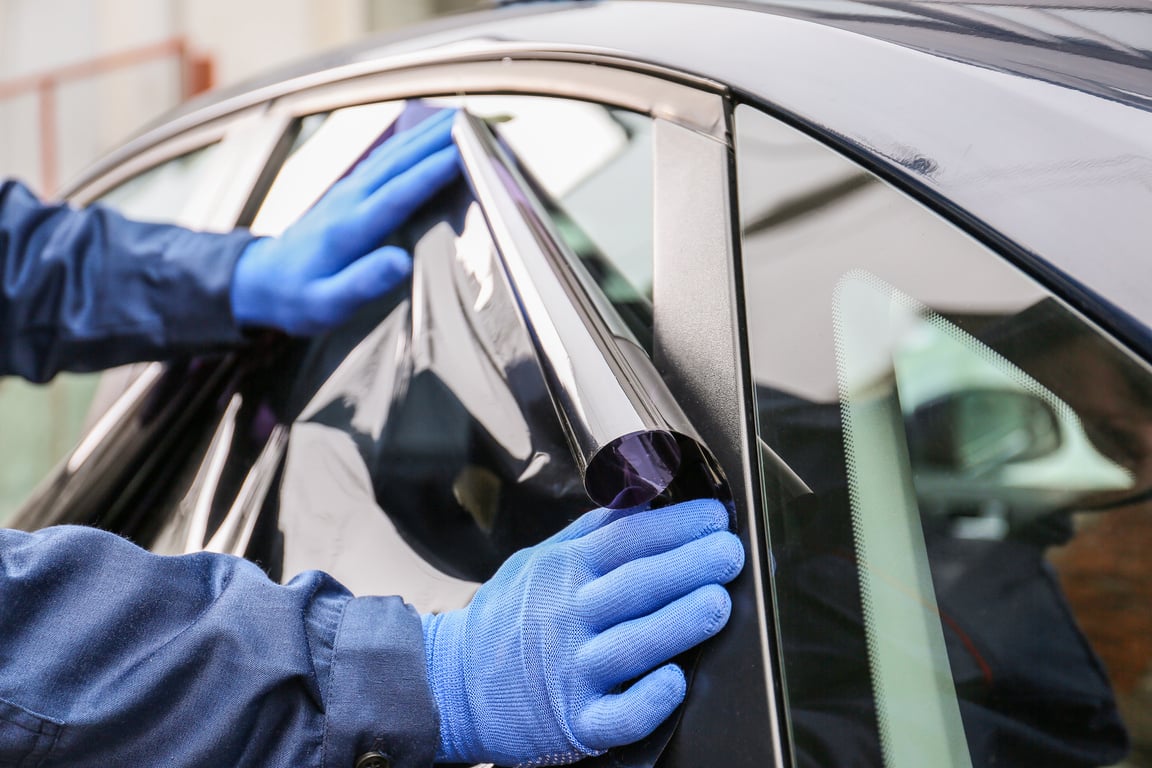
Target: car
point(874, 273)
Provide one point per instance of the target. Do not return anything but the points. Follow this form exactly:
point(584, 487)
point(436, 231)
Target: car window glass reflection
point(165, 193)
point(434, 430)
point(324, 147)
point(962, 586)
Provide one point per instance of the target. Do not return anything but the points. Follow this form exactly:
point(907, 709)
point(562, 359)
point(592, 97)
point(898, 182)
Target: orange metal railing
point(196, 75)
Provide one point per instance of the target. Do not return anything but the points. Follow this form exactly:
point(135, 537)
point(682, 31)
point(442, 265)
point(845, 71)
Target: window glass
point(605, 188)
point(414, 449)
point(961, 585)
point(600, 198)
point(46, 420)
point(164, 192)
point(325, 146)
point(50, 418)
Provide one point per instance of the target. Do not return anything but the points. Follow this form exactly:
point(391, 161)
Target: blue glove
point(330, 262)
point(529, 673)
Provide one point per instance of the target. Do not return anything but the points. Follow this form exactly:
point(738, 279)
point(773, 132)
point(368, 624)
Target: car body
point(888, 265)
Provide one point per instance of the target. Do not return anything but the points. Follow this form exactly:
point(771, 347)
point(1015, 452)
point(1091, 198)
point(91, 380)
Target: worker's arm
point(86, 290)
point(113, 656)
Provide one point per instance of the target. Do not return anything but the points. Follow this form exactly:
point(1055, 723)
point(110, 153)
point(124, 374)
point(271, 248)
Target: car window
point(324, 146)
point(164, 192)
point(601, 195)
point(600, 198)
point(50, 418)
point(410, 451)
point(962, 583)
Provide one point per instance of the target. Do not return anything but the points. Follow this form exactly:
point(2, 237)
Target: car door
point(412, 450)
point(958, 583)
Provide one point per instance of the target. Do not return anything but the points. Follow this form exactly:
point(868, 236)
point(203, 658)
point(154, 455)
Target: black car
point(875, 272)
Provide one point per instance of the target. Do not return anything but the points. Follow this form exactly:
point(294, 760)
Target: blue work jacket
point(113, 656)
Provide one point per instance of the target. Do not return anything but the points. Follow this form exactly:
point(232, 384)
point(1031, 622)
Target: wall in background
point(93, 113)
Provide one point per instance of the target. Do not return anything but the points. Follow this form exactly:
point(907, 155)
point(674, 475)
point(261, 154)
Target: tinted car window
point(600, 197)
point(410, 451)
point(959, 586)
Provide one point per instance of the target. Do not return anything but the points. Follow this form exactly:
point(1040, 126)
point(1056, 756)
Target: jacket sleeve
point(111, 655)
point(88, 289)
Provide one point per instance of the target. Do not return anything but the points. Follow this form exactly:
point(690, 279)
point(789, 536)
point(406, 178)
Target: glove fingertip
point(629, 716)
point(394, 259)
point(659, 693)
point(715, 607)
point(732, 556)
point(671, 676)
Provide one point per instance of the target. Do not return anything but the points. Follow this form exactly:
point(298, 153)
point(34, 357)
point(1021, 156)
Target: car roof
point(1096, 47)
point(1028, 123)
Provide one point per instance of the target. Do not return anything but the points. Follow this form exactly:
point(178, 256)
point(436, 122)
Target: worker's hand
point(330, 262)
point(530, 672)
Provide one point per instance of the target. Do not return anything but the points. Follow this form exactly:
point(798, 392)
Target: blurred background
point(78, 77)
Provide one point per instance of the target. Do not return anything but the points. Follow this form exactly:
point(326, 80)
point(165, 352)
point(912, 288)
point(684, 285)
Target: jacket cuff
point(378, 698)
point(202, 279)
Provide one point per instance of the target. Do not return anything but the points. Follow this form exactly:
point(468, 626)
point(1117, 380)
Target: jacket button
point(373, 760)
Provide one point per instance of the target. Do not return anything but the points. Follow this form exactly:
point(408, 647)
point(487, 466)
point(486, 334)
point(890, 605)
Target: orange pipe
point(196, 76)
point(47, 112)
point(99, 65)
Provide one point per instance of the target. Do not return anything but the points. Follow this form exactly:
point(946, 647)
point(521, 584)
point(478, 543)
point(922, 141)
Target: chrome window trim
point(126, 405)
point(473, 51)
point(581, 67)
point(250, 146)
point(698, 110)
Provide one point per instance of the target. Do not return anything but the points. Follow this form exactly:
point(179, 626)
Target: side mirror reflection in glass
point(972, 430)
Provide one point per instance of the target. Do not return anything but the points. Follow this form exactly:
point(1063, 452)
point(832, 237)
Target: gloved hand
point(529, 672)
point(329, 263)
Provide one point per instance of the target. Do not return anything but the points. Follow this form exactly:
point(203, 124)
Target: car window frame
point(697, 347)
point(694, 266)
